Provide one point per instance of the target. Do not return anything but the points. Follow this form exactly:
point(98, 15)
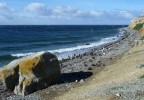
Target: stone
point(90, 68)
point(118, 95)
point(81, 81)
point(93, 64)
point(85, 64)
point(87, 44)
point(26, 75)
point(93, 57)
point(104, 65)
point(110, 58)
point(90, 60)
point(140, 65)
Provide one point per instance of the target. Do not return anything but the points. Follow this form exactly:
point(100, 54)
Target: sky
point(69, 12)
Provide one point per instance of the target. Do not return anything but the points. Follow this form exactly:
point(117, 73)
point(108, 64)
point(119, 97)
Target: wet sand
point(79, 69)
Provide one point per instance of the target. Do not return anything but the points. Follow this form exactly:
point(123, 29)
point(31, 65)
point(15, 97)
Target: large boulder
point(31, 73)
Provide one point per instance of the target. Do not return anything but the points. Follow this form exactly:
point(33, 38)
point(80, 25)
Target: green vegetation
point(142, 76)
point(118, 87)
point(138, 26)
point(142, 38)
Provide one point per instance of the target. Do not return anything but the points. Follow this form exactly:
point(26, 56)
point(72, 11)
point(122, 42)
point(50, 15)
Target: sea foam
point(71, 49)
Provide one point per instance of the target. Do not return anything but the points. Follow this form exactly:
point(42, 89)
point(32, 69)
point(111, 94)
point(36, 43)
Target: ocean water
point(63, 40)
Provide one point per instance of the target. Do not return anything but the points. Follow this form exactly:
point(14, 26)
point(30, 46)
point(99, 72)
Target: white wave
point(22, 54)
point(103, 41)
point(70, 49)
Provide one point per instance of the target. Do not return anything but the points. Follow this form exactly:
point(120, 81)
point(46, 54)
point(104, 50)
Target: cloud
point(126, 14)
point(142, 13)
point(38, 8)
point(5, 12)
point(36, 13)
point(42, 11)
point(89, 14)
point(5, 16)
point(64, 10)
point(3, 6)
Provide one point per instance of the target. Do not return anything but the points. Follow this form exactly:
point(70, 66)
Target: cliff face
point(138, 24)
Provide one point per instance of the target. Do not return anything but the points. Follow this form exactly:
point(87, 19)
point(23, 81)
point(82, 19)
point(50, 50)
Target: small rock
point(87, 44)
point(76, 80)
point(118, 95)
point(90, 68)
point(90, 60)
point(110, 58)
point(100, 54)
point(93, 64)
point(81, 81)
point(93, 57)
point(104, 53)
point(66, 84)
point(104, 65)
point(72, 88)
point(99, 62)
point(140, 65)
point(91, 53)
point(85, 64)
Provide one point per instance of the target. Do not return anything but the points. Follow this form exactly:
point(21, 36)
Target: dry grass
point(124, 70)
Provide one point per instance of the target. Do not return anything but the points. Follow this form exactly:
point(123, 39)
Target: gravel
point(127, 91)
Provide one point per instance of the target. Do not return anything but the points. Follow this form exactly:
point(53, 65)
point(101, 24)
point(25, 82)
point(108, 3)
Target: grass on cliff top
point(142, 76)
point(138, 26)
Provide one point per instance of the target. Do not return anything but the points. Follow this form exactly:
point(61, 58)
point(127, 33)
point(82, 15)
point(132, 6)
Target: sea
point(17, 41)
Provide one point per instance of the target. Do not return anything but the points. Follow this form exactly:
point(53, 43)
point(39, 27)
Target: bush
point(138, 26)
point(142, 38)
point(142, 76)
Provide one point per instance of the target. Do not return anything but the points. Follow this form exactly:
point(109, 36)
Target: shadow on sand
point(72, 77)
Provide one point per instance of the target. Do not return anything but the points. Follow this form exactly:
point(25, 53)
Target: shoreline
point(99, 47)
point(96, 45)
point(64, 53)
point(80, 68)
point(108, 50)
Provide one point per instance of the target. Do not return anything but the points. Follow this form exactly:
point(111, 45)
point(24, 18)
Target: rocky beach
point(79, 70)
point(71, 50)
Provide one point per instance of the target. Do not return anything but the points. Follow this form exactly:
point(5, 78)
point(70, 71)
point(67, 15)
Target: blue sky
point(69, 12)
